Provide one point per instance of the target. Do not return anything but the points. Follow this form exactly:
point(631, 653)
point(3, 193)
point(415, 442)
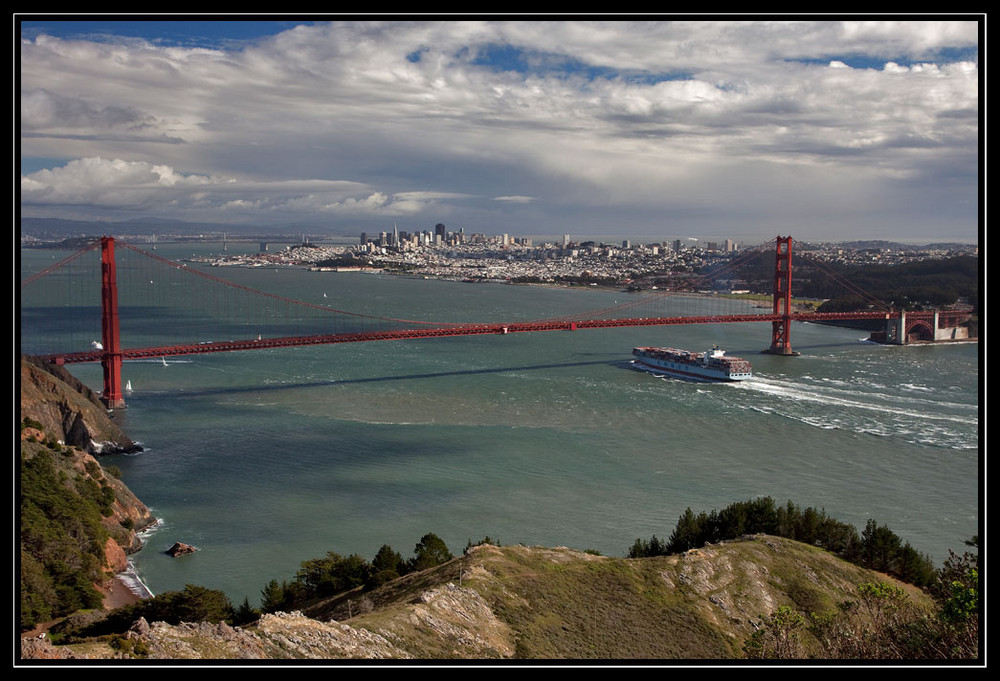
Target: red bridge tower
point(781, 343)
point(111, 361)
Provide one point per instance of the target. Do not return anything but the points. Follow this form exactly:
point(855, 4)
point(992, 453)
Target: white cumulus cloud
point(592, 120)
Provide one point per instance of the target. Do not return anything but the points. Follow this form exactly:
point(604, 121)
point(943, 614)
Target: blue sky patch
point(199, 33)
point(507, 58)
point(865, 61)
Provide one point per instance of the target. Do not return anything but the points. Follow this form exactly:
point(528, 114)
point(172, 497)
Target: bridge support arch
point(111, 361)
point(781, 343)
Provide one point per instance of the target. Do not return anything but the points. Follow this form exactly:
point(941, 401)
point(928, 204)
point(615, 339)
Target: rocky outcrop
point(41, 648)
point(180, 549)
point(68, 410)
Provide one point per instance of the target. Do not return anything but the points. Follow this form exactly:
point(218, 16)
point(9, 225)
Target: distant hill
point(896, 246)
point(56, 229)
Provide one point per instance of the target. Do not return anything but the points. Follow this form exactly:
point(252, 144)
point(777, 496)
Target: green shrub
point(193, 604)
point(61, 541)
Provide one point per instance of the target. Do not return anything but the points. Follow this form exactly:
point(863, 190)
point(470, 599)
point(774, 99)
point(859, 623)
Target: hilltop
point(518, 602)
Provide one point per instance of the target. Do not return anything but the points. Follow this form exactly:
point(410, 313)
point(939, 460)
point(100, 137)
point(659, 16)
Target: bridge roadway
point(441, 332)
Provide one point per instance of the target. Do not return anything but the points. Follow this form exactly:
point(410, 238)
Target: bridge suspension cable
point(181, 302)
point(848, 284)
point(651, 299)
point(274, 296)
point(65, 261)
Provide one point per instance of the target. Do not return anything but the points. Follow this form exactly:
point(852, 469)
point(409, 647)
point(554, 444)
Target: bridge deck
point(442, 332)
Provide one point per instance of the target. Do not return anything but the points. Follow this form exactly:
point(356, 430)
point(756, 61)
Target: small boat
point(128, 386)
point(164, 361)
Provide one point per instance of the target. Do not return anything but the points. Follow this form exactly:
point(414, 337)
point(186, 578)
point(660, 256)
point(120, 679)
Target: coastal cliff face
point(68, 410)
point(517, 602)
point(78, 520)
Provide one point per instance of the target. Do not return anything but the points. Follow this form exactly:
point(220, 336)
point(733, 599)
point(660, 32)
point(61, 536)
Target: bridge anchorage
point(900, 328)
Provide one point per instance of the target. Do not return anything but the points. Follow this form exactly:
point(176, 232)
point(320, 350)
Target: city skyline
point(833, 130)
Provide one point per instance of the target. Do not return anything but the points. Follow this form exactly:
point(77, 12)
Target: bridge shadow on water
point(403, 377)
point(615, 363)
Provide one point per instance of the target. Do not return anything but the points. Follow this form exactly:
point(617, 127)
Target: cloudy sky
point(821, 129)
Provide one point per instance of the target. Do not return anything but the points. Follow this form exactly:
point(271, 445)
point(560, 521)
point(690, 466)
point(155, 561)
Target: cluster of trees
point(315, 578)
point(918, 284)
point(62, 538)
point(876, 548)
point(584, 279)
point(912, 285)
point(193, 604)
point(332, 574)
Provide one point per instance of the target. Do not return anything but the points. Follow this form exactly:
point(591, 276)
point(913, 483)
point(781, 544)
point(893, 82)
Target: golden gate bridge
point(352, 327)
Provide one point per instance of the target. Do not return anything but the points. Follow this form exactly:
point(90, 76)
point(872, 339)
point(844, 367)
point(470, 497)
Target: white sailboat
point(128, 386)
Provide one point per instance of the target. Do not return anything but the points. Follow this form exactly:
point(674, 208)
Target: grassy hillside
point(564, 604)
point(761, 595)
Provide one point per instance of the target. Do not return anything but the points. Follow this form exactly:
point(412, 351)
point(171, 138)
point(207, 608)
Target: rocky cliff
point(68, 410)
point(68, 495)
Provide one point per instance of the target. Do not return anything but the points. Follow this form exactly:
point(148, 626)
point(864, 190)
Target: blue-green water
point(265, 459)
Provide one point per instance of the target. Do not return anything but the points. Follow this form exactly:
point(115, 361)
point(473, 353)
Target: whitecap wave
point(871, 403)
point(131, 579)
point(917, 420)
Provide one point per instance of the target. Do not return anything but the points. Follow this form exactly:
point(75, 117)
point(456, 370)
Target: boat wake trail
point(918, 420)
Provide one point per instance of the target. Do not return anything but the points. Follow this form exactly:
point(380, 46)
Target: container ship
point(712, 365)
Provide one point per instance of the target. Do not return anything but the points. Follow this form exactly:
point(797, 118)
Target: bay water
point(264, 459)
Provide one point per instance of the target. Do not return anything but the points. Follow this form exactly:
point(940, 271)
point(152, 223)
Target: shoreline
point(125, 588)
point(118, 594)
